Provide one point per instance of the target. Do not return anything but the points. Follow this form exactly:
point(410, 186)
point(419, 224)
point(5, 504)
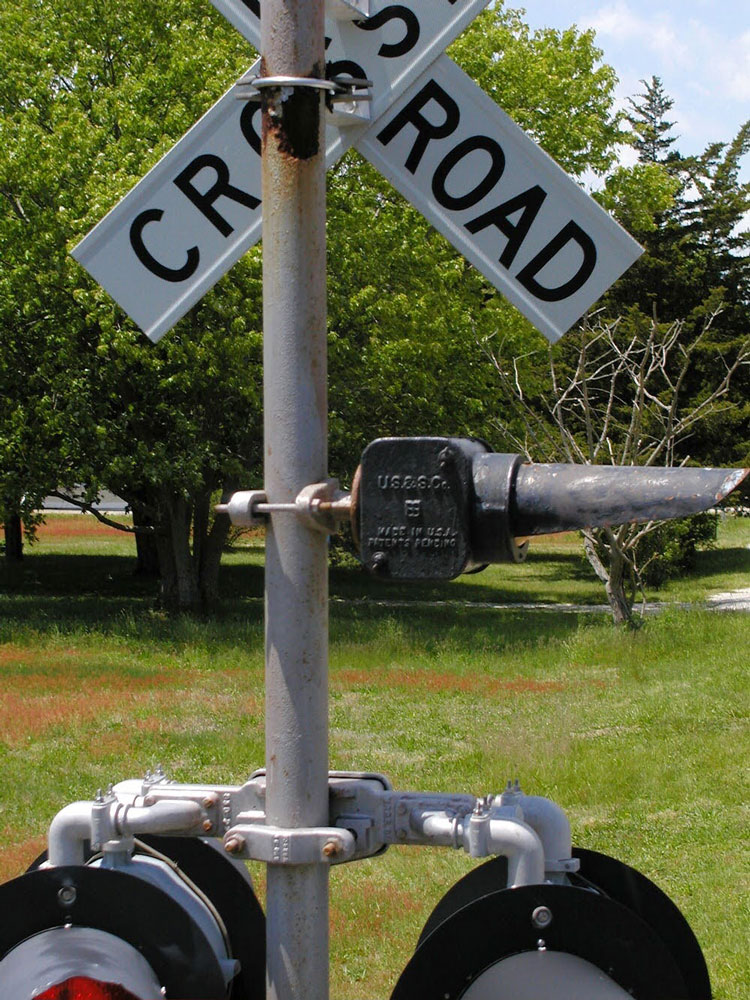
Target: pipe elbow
point(68, 833)
point(520, 844)
point(551, 824)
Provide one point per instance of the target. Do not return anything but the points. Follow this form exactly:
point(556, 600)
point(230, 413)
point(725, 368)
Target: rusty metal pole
point(295, 455)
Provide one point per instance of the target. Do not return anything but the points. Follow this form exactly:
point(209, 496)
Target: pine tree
point(696, 257)
point(648, 121)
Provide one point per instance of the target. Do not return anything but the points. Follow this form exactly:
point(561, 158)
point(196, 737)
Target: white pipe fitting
point(509, 838)
point(129, 791)
point(551, 824)
point(522, 847)
point(162, 817)
point(68, 831)
point(74, 825)
point(440, 830)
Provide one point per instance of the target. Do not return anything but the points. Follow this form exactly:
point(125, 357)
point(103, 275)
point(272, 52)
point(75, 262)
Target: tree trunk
point(188, 560)
point(13, 538)
point(211, 551)
point(167, 569)
point(613, 575)
point(186, 578)
point(147, 549)
point(622, 609)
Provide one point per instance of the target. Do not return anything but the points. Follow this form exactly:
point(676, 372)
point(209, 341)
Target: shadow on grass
point(113, 577)
point(528, 582)
point(431, 630)
point(718, 562)
point(74, 575)
point(53, 593)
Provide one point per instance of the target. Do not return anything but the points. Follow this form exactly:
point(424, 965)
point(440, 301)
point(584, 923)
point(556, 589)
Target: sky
point(699, 48)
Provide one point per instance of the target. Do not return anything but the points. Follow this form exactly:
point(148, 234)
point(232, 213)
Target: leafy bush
point(669, 551)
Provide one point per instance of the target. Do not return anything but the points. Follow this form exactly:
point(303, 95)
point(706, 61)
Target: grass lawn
point(641, 737)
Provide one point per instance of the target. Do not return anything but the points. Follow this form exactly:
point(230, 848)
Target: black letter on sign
point(410, 115)
point(529, 202)
point(344, 67)
point(527, 276)
point(253, 6)
point(204, 202)
point(454, 158)
point(160, 270)
point(247, 126)
point(410, 39)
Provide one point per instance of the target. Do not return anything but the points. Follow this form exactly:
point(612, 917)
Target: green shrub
point(669, 551)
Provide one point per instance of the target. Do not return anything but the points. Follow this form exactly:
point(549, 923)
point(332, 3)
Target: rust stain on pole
point(291, 116)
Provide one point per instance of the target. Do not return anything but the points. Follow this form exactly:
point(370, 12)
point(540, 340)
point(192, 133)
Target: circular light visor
point(77, 963)
point(83, 988)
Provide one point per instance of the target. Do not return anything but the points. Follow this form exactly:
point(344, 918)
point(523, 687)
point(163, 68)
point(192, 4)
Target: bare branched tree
point(614, 400)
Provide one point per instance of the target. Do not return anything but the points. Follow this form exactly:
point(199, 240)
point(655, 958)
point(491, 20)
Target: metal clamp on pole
point(347, 98)
point(253, 85)
point(351, 89)
point(283, 846)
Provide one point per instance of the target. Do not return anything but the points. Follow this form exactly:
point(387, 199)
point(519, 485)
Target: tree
point(405, 310)
point(91, 95)
point(614, 395)
point(697, 248)
point(648, 121)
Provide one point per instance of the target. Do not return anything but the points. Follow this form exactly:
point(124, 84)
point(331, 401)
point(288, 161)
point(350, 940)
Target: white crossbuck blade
point(530, 229)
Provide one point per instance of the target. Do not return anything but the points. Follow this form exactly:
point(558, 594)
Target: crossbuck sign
point(432, 132)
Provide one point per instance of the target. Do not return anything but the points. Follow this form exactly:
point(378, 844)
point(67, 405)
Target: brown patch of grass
point(22, 717)
point(74, 525)
point(33, 703)
point(31, 685)
point(16, 858)
point(14, 655)
point(113, 742)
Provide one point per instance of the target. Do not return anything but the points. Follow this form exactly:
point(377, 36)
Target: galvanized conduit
point(551, 824)
point(74, 825)
point(536, 840)
point(509, 838)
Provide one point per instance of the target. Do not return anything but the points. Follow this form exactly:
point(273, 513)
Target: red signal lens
point(83, 988)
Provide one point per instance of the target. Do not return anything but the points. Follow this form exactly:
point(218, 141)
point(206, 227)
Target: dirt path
point(736, 600)
point(732, 600)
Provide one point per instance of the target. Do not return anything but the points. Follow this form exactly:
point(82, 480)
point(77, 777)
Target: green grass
point(641, 737)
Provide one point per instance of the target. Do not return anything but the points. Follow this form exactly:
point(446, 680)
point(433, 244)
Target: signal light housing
point(142, 930)
point(608, 932)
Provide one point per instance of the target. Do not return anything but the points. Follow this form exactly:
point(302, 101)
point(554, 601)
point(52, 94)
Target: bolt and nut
point(67, 895)
point(447, 458)
point(541, 917)
point(331, 848)
point(234, 844)
point(379, 562)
